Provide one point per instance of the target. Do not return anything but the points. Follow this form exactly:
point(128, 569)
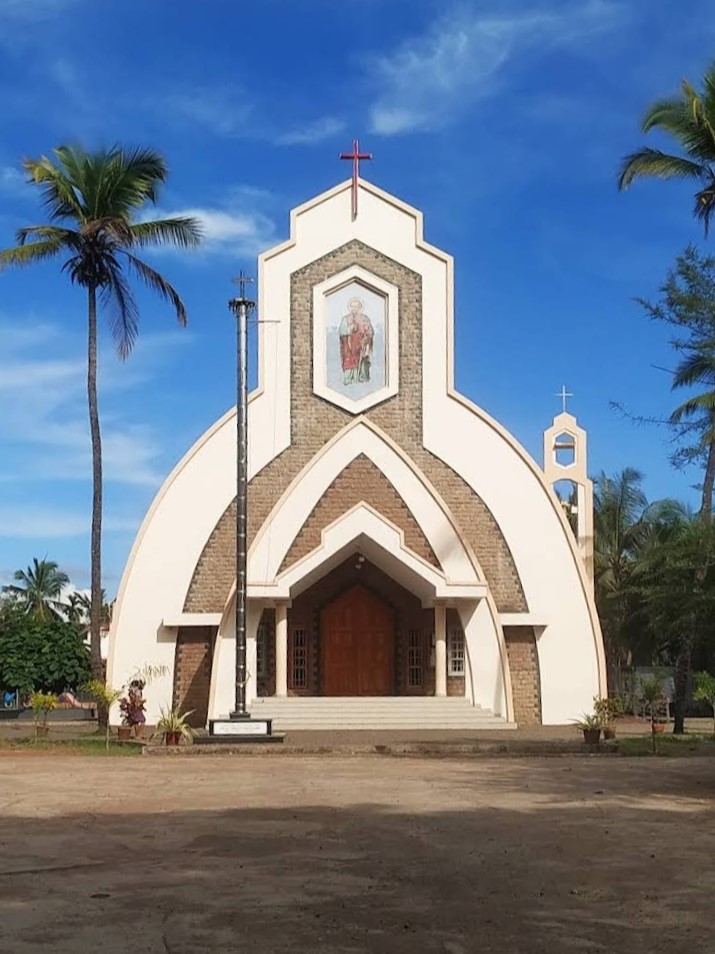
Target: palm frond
point(46, 233)
point(705, 205)
point(699, 404)
point(652, 163)
point(181, 231)
point(131, 178)
point(697, 367)
point(30, 253)
point(58, 184)
point(152, 279)
point(669, 115)
point(116, 296)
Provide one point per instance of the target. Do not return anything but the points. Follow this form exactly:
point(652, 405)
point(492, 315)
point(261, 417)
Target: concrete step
point(375, 712)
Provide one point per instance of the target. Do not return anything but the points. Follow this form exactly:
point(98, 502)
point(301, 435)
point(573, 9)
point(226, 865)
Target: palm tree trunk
point(682, 685)
point(706, 507)
point(95, 611)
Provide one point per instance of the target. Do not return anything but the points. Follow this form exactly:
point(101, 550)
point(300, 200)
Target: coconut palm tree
point(94, 203)
point(39, 589)
point(698, 368)
point(689, 119)
point(620, 532)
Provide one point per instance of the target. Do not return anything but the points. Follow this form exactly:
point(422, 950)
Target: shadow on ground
point(370, 855)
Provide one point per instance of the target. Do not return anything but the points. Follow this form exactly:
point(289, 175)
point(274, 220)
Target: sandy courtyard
point(286, 854)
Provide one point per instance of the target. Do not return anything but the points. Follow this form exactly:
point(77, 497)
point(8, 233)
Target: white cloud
point(43, 419)
point(232, 230)
point(38, 523)
point(230, 113)
point(223, 111)
point(429, 80)
point(12, 181)
point(311, 132)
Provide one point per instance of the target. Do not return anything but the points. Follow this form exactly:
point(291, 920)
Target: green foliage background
point(36, 654)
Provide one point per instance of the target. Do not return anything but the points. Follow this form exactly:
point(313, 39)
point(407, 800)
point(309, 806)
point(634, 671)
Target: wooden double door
point(357, 645)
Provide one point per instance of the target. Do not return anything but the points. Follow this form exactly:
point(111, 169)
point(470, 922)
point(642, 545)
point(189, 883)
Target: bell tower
point(566, 470)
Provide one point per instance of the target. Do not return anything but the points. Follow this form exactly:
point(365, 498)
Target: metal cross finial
point(355, 156)
point(242, 279)
point(564, 395)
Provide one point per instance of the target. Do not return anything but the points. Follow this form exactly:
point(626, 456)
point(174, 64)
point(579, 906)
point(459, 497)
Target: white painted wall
point(486, 678)
point(223, 675)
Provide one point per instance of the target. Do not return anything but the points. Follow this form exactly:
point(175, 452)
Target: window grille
point(455, 651)
point(299, 662)
point(414, 658)
point(261, 650)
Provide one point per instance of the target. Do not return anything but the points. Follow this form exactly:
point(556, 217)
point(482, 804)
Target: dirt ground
point(366, 854)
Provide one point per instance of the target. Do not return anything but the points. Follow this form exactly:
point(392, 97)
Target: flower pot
point(124, 733)
point(609, 732)
point(591, 736)
point(41, 730)
point(172, 738)
point(659, 726)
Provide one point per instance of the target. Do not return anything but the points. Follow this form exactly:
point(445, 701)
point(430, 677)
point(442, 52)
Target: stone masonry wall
point(524, 669)
point(192, 672)
point(361, 481)
point(314, 421)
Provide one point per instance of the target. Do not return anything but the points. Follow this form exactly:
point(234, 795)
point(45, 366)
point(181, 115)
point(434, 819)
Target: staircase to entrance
point(375, 712)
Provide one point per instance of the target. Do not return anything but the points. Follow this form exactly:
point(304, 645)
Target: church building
point(410, 565)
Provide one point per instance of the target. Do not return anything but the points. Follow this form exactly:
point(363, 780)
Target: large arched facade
point(401, 542)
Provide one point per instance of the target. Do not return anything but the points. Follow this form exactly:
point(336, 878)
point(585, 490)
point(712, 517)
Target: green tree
point(689, 119)
point(36, 654)
point(38, 589)
point(95, 205)
point(627, 529)
point(697, 369)
point(621, 530)
point(687, 305)
point(705, 690)
point(677, 588)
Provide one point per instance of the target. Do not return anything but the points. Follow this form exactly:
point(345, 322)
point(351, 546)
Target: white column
point(440, 649)
point(281, 649)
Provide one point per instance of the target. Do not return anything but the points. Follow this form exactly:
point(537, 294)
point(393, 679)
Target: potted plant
point(608, 710)
point(655, 703)
point(42, 704)
point(174, 727)
point(105, 697)
point(132, 707)
point(705, 691)
point(590, 725)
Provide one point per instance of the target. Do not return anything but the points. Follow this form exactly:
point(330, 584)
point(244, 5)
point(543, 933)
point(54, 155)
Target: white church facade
point(402, 544)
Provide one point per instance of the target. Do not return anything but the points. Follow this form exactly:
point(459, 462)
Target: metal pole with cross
point(241, 306)
point(240, 726)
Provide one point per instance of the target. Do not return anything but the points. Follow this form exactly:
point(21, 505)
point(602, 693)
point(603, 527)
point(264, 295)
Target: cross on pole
point(356, 157)
point(564, 395)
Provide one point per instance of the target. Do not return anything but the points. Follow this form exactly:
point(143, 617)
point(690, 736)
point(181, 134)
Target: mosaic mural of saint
point(357, 337)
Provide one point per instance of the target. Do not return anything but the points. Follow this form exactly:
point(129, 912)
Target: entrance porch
point(357, 632)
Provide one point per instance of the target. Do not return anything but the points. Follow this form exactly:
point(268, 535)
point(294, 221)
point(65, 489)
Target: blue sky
point(504, 121)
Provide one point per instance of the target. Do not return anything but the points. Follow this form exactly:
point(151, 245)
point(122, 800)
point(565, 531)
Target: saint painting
point(357, 337)
point(354, 333)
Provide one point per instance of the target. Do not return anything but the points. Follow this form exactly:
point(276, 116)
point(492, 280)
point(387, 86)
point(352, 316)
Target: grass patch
point(93, 745)
point(669, 745)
